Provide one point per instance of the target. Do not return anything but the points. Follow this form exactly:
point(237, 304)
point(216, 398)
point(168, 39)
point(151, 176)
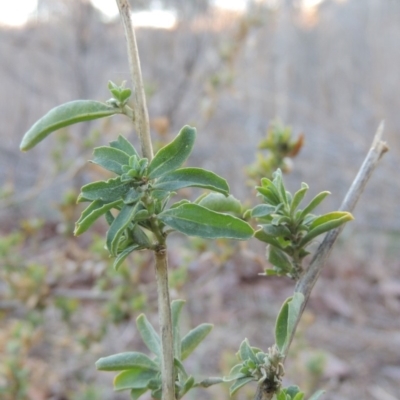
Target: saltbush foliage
point(138, 205)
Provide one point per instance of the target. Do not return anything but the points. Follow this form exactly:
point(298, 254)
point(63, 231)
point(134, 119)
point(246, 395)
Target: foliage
point(280, 147)
point(287, 229)
point(139, 373)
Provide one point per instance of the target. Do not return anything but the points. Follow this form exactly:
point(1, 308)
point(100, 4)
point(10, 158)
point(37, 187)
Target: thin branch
point(164, 313)
point(141, 117)
point(311, 275)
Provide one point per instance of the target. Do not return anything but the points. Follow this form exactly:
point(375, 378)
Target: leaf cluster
point(135, 202)
point(288, 229)
point(139, 373)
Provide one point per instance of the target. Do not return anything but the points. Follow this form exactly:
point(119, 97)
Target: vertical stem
point(141, 115)
point(164, 312)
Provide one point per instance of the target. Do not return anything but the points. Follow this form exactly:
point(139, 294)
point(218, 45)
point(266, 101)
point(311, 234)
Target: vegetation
point(138, 205)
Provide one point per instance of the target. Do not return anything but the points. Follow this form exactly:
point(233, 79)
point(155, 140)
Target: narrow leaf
point(281, 325)
point(176, 308)
point(239, 383)
point(125, 253)
point(174, 154)
point(136, 393)
point(262, 210)
point(96, 209)
point(326, 226)
point(195, 220)
point(111, 159)
point(220, 203)
point(120, 223)
point(149, 335)
point(107, 191)
point(121, 361)
point(246, 353)
point(124, 145)
point(298, 197)
point(313, 204)
point(65, 115)
point(187, 386)
point(134, 378)
point(194, 338)
point(234, 373)
point(264, 237)
point(279, 259)
point(192, 177)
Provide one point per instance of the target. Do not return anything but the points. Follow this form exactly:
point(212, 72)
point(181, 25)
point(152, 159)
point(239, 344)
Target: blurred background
point(328, 69)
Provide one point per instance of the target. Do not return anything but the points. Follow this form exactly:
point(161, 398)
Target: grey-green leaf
point(234, 373)
point(107, 191)
point(286, 320)
point(195, 220)
point(174, 154)
point(262, 210)
point(65, 115)
point(246, 353)
point(134, 378)
point(120, 223)
point(279, 259)
point(239, 383)
point(149, 335)
point(326, 223)
point(176, 308)
point(192, 177)
point(193, 339)
point(298, 197)
point(125, 253)
point(220, 203)
point(122, 361)
point(124, 145)
point(111, 159)
point(313, 204)
point(95, 210)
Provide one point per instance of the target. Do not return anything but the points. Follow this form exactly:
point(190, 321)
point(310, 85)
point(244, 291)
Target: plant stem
point(164, 312)
point(141, 116)
point(311, 275)
point(140, 119)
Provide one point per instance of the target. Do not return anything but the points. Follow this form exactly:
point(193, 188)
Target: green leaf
point(276, 230)
point(298, 396)
point(246, 353)
point(192, 177)
point(107, 191)
point(264, 237)
point(176, 308)
point(317, 395)
point(122, 361)
point(111, 159)
point(234, 373)
point(187, 386)
point(278, 183)
point(120, 223)
point(195, 220)
point(149, 335)
point(220, 203)
point(65, 115)
point(174, 154)
point(95, 210)
point(136, 393)
point(132, 196)
point(239, 383)
point(262, 210)
point(298, 197)
point(192, 339)
point(281, 325)
point(279, 259)
point(326, 223)
point(292, 390)
point(124, 145)
point(313, 204)
point(286, 320)
point(134, 378)
point(125, 253)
